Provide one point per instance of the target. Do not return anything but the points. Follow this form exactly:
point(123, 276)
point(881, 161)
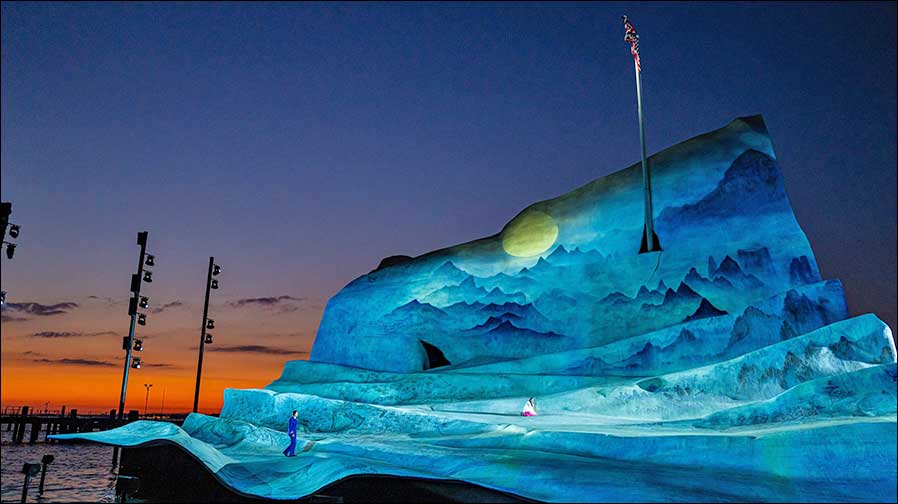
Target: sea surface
point(80, 473)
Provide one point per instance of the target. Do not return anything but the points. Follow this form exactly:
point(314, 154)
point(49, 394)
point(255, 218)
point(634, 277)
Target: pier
point(40, 425)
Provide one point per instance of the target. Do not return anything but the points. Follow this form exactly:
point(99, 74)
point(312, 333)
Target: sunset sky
point(301, 143)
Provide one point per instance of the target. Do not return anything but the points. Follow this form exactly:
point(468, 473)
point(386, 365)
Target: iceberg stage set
point(723, 368)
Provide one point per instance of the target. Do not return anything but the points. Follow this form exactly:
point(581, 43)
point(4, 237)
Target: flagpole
point(649, 243)
point(646, 176)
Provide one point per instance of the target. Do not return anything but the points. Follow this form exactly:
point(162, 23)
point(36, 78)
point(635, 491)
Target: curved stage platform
point(725, 368)
point(169, 473)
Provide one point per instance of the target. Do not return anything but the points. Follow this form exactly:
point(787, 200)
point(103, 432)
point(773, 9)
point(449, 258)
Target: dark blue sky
point(301, 143)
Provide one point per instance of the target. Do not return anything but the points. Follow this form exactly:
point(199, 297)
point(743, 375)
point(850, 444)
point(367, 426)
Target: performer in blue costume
point(291, 431)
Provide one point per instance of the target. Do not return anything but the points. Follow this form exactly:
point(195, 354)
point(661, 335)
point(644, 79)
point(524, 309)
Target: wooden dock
point(20, 419)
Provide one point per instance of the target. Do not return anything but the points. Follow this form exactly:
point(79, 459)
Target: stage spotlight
point(14, 231)
point(210, 324)
point(151, 260)
point(144, 302)
point(141, 319)
point(214, 284)
point(148, 276)
point(208, 339)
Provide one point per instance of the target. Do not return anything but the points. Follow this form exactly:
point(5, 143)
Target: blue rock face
point(566, 269)
point(724, 368)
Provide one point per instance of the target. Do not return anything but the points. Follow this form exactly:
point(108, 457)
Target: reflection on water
point(80, 473)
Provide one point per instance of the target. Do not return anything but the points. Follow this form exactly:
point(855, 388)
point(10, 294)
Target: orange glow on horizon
point(75, 358)
point(98, 390)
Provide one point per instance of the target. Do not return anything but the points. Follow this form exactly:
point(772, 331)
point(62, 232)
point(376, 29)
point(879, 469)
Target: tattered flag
point(631, 37)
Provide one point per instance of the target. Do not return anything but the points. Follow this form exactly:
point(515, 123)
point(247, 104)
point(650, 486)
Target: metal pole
point(5, 210)
point(46, 460)
point(25, 488)
point(121, 403)
point(147, 399)
point(646, 177)
point(199, 364)
point(40, 488)
point(142, 241)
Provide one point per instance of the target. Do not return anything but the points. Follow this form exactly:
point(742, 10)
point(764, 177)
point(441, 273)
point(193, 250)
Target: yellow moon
point(529, 234)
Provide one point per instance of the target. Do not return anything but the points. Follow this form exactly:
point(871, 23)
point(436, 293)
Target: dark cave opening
point(435, 357)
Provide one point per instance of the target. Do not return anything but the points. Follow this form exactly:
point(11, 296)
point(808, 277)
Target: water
point(80, 473)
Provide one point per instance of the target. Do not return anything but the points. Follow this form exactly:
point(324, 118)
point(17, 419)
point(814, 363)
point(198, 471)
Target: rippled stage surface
point(723, 368)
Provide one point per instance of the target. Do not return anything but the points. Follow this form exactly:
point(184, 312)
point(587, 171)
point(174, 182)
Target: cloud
point(57, 334)
point(35, 309)
point(160, 365)
point(70, 334)
point(173, 304)
point(278, 304)
point(108, 300)
point(263, 301)
point(75, 362)
point(259, 349)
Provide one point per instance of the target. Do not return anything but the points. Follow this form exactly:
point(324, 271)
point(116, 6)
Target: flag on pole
point(650, 242)
point(631, 37)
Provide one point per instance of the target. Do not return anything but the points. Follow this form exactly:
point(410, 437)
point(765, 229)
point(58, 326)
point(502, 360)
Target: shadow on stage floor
point(169, 474)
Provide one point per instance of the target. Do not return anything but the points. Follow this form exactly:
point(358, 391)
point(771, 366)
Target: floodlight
point(136, 363)
point(214, 284)
point(138, 345)
point(210, 324)
point(141, 319)
point(148, 276)
point(208, 339)
point(151, 260)
point(144, 302)
point(216, 269)
point(10, 249)
point(14, 231)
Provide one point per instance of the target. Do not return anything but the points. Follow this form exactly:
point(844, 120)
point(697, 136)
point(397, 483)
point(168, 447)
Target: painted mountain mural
point(722, 368)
